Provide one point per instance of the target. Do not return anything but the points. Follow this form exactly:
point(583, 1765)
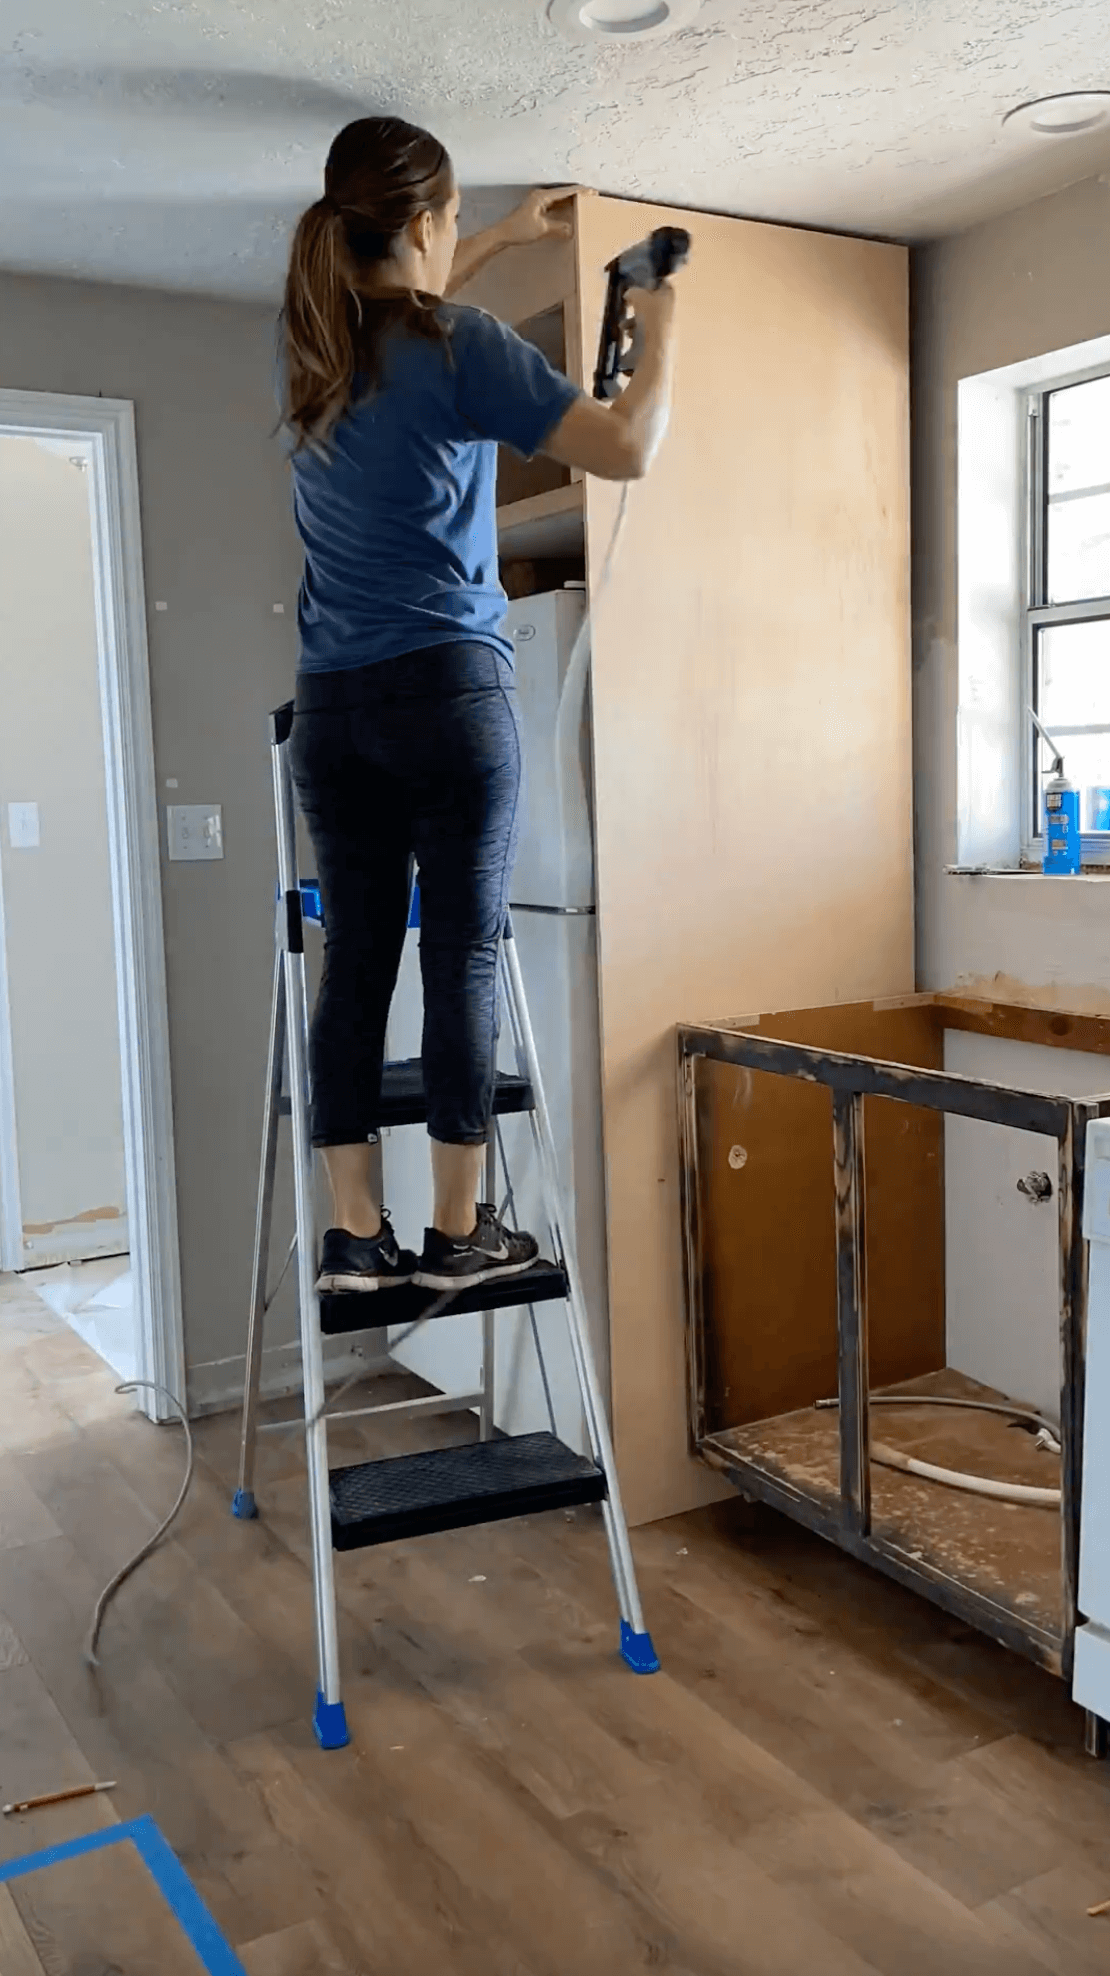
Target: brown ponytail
point(379, 175)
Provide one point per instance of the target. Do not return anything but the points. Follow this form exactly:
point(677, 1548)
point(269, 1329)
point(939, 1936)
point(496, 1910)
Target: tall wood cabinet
point(751, 701)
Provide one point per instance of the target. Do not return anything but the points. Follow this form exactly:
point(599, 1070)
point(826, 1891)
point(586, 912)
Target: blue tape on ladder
point(637, 1650)
point(312, 904)
point(330, 1724)
point(168, 1874)
point(414, 907)
point(243, 1505)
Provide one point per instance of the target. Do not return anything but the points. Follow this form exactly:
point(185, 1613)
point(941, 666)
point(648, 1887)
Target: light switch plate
point(23, 826)
point(195, 831)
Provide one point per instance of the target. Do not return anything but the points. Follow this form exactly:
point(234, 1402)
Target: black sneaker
point(363, 1262)
point(492, 1250)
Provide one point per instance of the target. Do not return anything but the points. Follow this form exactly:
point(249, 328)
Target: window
point(1067, 617)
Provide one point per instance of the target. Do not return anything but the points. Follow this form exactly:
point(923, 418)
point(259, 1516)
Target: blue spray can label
point(1061, 827)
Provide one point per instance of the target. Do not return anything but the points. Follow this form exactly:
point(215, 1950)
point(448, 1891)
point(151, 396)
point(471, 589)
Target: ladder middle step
point(404, 1103)
point(360, 1310)
point(376, 1502)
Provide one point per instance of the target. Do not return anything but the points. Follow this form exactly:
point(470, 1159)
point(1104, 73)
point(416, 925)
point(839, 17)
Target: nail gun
point(645, 265)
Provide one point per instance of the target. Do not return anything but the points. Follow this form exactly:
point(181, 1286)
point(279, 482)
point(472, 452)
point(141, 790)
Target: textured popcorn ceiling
point(172, 141)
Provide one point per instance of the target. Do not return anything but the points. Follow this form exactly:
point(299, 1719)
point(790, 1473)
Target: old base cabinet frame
point(845, 1518)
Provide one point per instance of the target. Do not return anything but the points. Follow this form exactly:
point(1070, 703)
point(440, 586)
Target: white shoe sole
point(427, 1281)
point(335, 1284)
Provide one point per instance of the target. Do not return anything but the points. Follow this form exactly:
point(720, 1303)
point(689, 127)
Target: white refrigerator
point(555, 927)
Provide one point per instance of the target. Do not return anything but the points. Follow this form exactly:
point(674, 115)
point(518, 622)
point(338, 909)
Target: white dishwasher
point(1091, 1678)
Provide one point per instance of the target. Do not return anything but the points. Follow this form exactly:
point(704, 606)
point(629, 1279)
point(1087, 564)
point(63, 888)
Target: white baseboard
point(216, 1385)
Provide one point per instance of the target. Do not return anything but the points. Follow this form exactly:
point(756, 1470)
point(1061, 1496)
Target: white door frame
point(108, 425)
point(11, 1207)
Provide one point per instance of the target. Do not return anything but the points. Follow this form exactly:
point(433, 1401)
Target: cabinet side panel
point(751, 686)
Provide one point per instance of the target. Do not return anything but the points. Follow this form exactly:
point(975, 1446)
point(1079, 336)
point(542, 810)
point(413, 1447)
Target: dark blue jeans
point(417, 757)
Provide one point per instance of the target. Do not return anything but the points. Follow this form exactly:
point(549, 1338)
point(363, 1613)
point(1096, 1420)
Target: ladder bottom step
point(377, 1502)
point(360, 1310)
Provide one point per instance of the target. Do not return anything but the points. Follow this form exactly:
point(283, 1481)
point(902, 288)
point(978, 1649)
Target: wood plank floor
point(829, 1776)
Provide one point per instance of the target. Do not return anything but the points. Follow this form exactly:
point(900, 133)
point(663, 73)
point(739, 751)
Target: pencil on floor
point(58, 1797)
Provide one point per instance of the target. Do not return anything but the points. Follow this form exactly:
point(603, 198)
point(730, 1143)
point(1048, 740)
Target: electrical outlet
point(195, 831)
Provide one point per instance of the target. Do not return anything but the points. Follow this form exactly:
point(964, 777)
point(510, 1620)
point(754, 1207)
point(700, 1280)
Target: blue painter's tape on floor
point(182, 1898)
point(637, 1650)
point(111, 1835)
point(168, 1874)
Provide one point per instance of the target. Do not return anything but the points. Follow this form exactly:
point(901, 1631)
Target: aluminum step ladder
point(376, 1502)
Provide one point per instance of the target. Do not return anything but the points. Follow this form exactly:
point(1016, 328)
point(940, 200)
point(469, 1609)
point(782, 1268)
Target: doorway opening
point(88, 1211)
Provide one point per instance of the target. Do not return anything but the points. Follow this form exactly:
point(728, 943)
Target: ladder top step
point(404, 1103)
point(544, 1283)
point(377, 1502)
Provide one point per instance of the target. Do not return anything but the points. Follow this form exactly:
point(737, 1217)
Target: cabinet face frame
point(849, 1077)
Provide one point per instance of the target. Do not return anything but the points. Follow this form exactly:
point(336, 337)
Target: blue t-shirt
point(399, 520)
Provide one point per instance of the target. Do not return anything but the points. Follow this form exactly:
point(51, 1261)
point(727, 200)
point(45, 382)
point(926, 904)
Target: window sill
point(1090, 873)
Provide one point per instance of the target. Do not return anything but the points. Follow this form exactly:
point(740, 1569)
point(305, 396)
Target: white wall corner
point(990, 482)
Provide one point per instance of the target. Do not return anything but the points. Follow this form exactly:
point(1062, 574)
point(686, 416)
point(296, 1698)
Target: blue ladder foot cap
point(243, 1505)
point(637, 1650)
point(330, 1724)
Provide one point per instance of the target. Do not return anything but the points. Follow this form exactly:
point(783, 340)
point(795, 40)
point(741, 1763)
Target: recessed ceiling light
point(621, 21)
point(1067, 115)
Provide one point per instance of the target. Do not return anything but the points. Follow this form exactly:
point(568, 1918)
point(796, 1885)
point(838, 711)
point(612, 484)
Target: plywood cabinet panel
point(534, 289)
point(751, 695)
point(751, 707)
point(768, 1228)
point(519, 479)
point(524, 281)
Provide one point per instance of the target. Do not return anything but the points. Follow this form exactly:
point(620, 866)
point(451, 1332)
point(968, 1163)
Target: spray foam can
point(1061, 827)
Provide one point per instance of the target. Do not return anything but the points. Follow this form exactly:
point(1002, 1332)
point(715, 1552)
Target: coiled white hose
point(954, 1478)
point(975, 1485)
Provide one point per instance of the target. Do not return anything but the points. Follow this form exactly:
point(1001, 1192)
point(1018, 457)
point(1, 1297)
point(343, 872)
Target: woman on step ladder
point(406, 739)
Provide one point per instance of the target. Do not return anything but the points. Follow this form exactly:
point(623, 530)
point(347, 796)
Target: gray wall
point(1036, 280)
point(220, 552)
